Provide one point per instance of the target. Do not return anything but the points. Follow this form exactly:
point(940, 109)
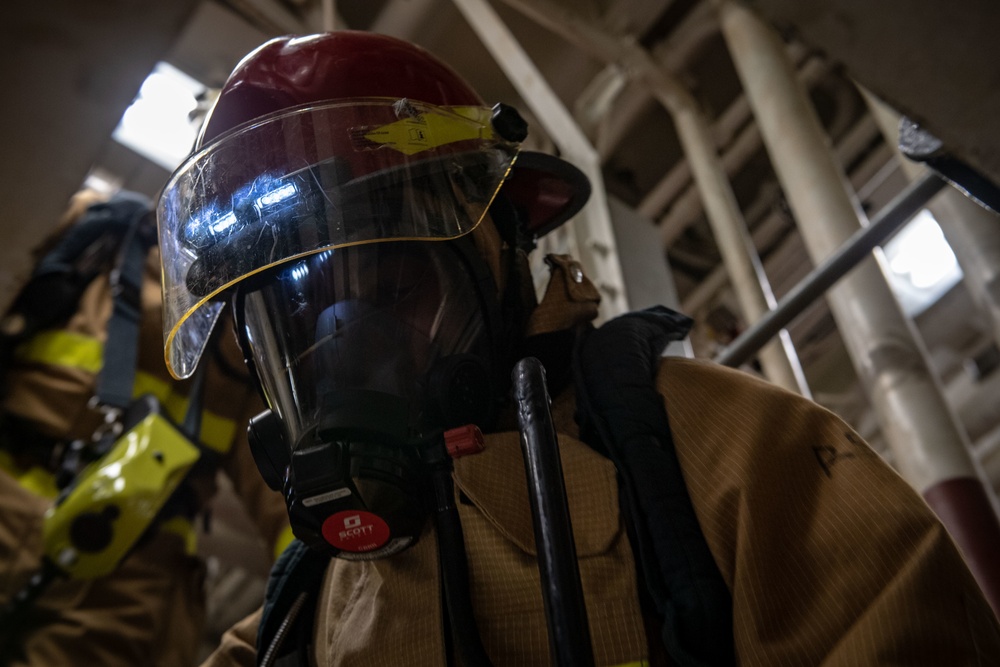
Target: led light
point(273, 197)
point(224, 223)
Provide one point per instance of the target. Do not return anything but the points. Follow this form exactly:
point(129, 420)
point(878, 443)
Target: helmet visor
point(312, 179)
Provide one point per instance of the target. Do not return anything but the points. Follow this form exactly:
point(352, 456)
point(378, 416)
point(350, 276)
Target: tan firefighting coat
point(151, 610)
point(831, 558)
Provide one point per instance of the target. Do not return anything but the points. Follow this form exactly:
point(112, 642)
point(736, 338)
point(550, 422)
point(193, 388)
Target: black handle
point(569, 632)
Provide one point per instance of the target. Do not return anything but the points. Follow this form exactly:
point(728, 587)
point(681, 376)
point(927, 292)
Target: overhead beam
point(592, 225)
point(675, 185)
point(731, 234)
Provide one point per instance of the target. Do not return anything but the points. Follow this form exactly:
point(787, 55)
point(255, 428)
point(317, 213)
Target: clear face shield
point(313, 179)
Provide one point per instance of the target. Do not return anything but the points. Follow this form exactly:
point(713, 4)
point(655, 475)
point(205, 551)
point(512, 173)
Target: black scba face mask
point(366, 356)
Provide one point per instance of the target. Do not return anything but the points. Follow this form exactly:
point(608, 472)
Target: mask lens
point(376, 320)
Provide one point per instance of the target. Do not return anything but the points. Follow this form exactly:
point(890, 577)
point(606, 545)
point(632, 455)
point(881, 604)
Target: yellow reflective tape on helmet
point(35, 479)
point(67, 349)
point(634, 663)
point(421, 132)
point(63, 348)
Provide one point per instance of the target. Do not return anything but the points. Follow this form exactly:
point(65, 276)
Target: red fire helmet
point(332, 140)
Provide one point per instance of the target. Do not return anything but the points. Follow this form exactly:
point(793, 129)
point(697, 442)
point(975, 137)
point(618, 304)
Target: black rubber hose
point(455, 572)
point(565, 611)
point(15, 612)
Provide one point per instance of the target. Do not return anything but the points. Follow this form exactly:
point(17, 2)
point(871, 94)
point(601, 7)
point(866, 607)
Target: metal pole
point(329, 15)
point(972, 231)
point(753, 290)
point(569, 631)
point(592, 226)
point(746, 273)
point(893, 216)
point(931, 450)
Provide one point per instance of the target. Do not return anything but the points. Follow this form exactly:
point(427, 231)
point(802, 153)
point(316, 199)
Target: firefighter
point(150, 609)
point(367, 218)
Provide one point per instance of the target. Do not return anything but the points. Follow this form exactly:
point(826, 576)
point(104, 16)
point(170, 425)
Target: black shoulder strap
point(53, 291)
point(622, 414)
point(285, 631)
point(117, 376)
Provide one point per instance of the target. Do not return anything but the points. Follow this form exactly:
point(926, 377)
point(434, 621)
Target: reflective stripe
point(216, 432)
point(35, 479)
point(63, 348)
point(284, 539)
point(72, 350)
point(635, 663)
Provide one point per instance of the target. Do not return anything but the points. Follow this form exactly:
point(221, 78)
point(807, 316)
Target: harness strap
point(117, 376)
point(285, 631)
point(622, 414)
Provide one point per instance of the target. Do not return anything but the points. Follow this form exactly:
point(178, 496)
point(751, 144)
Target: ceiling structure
point(642, 162)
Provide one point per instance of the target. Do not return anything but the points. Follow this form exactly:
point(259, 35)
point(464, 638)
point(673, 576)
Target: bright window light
point(922, 266)
point(102, 181)
point(158, 124)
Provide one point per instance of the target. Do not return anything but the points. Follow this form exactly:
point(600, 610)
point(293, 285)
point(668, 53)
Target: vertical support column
point(972, 231)
point(931, 450)
point(746, 273)
point(739, 254)
point(329, 15)
point(595, 239)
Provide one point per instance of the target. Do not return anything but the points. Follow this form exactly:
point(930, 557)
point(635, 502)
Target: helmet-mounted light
point(315, 178)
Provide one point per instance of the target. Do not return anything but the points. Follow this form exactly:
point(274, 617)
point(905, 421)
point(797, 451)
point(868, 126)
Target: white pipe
point(928, 444)
point(728, 226)
point(592, 225)
point(740, 145)
point(676, 53)
point(329, 15)
point(746, 274)
point(972, 231)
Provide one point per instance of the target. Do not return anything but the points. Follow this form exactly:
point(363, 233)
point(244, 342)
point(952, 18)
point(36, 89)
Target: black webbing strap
point(121, 348)
point(621, 413)
point(285, 631)
point(52, 293)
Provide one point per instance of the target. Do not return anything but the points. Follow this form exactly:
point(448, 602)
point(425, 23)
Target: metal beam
point(592, 226)
point(748, 278)
point(931, 449)
point(972, 231)
point(888, 221)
